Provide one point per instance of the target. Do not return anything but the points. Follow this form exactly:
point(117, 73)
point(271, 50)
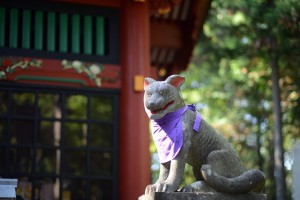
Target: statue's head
point(162, 97)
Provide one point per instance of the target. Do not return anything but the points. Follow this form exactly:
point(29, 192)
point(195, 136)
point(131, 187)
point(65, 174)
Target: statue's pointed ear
point(147, 82)
point(175, 80)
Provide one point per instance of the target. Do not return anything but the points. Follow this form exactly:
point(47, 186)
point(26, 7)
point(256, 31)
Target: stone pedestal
point(201, 196)
point(8, 189)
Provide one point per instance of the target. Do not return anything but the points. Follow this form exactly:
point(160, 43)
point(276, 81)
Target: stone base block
point(201, 196)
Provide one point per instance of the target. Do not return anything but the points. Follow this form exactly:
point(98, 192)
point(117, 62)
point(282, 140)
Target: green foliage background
point(229, 80)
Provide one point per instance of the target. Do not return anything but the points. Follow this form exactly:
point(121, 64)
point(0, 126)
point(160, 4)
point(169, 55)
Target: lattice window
point(52, 31)
point(59, 31)
point(59, 144)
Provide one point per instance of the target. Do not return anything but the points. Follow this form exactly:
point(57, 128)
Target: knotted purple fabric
point(168, 135)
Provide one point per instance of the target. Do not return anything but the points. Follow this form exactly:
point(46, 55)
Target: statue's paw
point(199, 186)
point(165, 187)
point(160, 187)
point(187, 188)
point(150, 188)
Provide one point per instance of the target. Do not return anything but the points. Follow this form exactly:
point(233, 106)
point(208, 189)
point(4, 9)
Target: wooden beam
point(108, 3)
point(165, 34)
point(134, 162)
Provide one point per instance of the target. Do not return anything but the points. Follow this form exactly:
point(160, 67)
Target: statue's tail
point(252, 180)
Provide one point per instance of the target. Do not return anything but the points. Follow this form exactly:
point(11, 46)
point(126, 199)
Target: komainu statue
point(182, 136)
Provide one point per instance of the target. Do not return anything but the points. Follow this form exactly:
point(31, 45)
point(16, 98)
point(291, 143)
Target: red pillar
point(134, 167)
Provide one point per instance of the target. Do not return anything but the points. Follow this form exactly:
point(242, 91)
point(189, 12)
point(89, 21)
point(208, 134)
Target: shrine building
point(72, 120)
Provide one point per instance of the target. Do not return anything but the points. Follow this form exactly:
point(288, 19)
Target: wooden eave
point(174, 35)
point(106, 3)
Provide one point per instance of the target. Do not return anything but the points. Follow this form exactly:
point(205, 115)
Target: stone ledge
point(8, 188)
point(201, 196)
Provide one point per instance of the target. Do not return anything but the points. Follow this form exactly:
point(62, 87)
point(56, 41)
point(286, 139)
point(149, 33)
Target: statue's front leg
point(163, 175)
point(176, 170)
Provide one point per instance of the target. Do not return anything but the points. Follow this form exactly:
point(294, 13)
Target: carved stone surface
point(201, 196)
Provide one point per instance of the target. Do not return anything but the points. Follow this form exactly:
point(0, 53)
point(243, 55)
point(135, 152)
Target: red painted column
point(134, 166)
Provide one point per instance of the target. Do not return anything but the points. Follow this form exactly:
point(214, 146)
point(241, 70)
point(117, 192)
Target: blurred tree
point(229, 79)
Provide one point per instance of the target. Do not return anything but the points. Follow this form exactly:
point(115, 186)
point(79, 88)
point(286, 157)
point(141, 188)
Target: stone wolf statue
point(182, 136)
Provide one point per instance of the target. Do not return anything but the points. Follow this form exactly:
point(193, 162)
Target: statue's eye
point(148, 94)
point(163, 93)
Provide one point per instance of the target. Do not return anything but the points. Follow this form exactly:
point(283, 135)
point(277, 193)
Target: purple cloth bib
point(168, 135)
